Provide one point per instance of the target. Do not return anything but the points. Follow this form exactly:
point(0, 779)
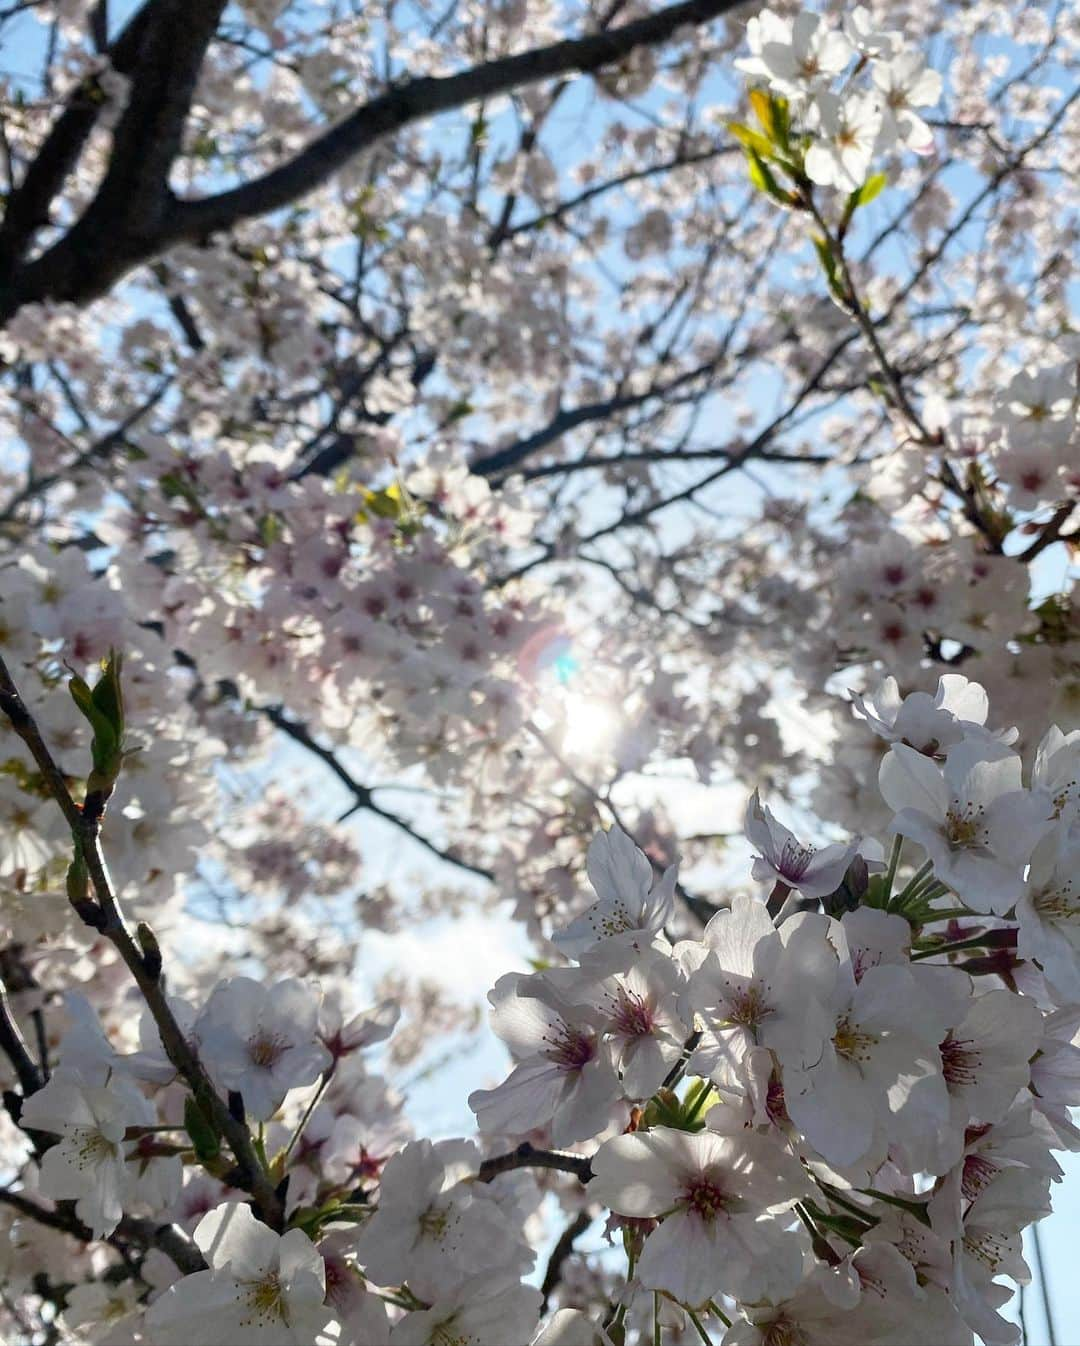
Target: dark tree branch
point(362, 794)
point(27, 209)
point(95, 253)
point(504, 460)
point(422, 98)
point(169, 1238)
point(528, 1156)
point(14, 1047)
point(562, 1250)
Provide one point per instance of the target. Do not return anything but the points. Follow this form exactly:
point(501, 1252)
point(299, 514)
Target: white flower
point(929, 724)
point(781, 858)
point(1055, 1077)
point(89, 1162)
point(761, 986)
point(341, 1037)
point(105, 1315)
point(1056, 772)
point(713, 1192)
point(975, 822)
point(986, 1243)
point(262, 1289)
point(642, 1028)
point(571, 1327)
point(794, 57)
point(261, 1041)
point(845, 131)
point(879, 1058)
point(630, 911)
point(906, 82)
point(865, 38)
point(485, 1311)
point(364, 1321)
point(431, 1230)
point(1048, 913)
point(564, 1073)
point(985, 1058)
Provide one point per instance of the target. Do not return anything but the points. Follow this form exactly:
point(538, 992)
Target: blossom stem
point(316, 1096)
point(916, 1208)
point(657, 1334)
point(833, 1195)
point(894, 861)
point(823, 1249)
point(715, 1308)
point(699, 1326)
point(975, 942)
point(911, 887)
point(697, 1102)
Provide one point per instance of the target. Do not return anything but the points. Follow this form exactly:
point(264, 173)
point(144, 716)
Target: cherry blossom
point(712, 1192)
point(261, 1041)
point(974, 819)
point(261, 1287)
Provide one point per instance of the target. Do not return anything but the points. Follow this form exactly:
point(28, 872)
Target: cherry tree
point(517, 430)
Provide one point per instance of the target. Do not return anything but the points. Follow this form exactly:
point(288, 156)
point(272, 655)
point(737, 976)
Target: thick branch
point(91, 257)
point(528, 1156)
point(27, 209)
point(422, 98)
point(169, 1238)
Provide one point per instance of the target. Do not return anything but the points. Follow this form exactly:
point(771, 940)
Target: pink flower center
point(959, 1061)
point(705, 1198)
point(977, 1175)
point(794, 860)
point(267, 1049)
point(633, 1015)
point(570, 1049)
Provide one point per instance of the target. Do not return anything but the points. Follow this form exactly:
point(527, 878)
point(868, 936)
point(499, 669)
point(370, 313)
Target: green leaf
point(105, 743)
point(752, 140)
point(762, 178)
point(108, 694)
point(103, 706)
point(204, 1137)
point(871, 188)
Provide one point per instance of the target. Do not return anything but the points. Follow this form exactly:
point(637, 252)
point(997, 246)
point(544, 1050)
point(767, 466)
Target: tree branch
point(528, 1156)
point(107, 918)
point(562, 1250)
point(362, 794)
point(169, 1238)
point(92, 256)
point(27, 209)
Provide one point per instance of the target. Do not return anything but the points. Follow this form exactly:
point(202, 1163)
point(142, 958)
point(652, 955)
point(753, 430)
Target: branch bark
point(528, 1156)
point(95, 254)
point(169, 1238)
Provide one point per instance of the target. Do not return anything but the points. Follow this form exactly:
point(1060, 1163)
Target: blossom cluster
point(808, 61)
point(830, 1115)
point(311, 476)
point(878, 1056)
